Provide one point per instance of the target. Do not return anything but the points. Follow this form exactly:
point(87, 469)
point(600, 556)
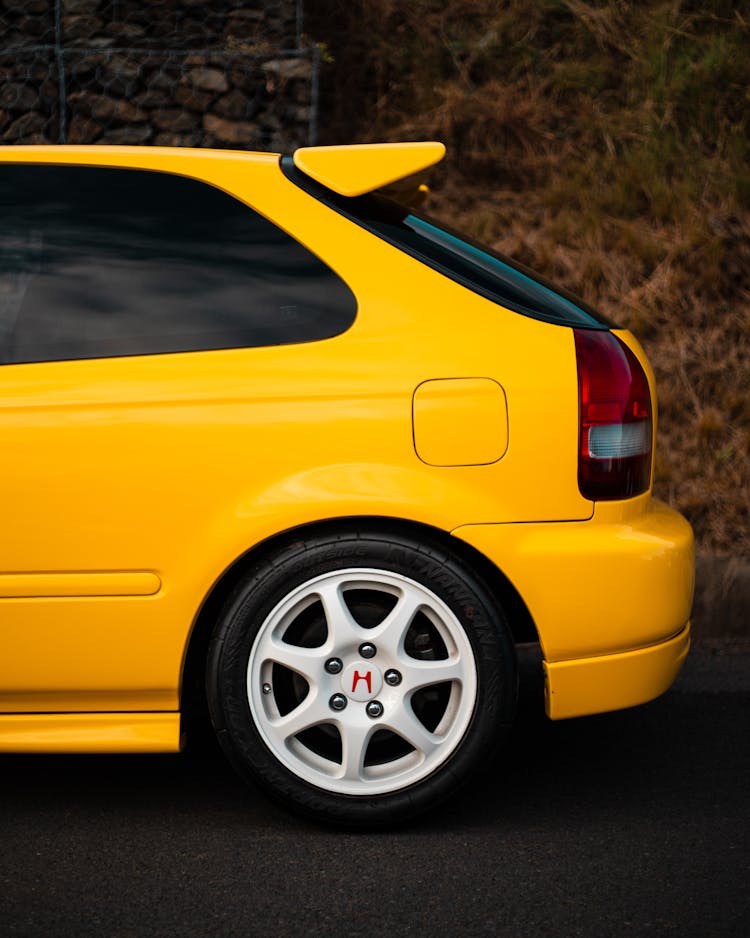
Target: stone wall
point(163, 72)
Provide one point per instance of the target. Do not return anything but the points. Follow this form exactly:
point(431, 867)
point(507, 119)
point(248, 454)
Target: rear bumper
point(610, 598)
point(613, 682)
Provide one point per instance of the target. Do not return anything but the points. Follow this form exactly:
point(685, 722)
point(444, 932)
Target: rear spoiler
point(397, 169)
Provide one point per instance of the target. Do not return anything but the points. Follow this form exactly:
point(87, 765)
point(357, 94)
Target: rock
point(301, 92)
point(173, 119)
point(178, 140)
point(34, 28)
point(193, 99)
point(250, 80)
point(49, 96)
point(100, 42)
point(152, 97)
point(133, 134)
point(76, 7)
point(236, 106)
point(39, 71)
point(238, 133)
point(102, 108)
point(120, 76)
point(35, 6)
point(17, 97)
point(271, 122)
point(126, 31)
point(80, 27)
point(193, 32)
point(250, 15)
point(162, 78)
point(125, 88)
point(83, 130)
point(78, 66)
point(121, 66)
point(208, 79)
point(14, 40)
point(298, 115)
point(25, 126)
point(285, 69)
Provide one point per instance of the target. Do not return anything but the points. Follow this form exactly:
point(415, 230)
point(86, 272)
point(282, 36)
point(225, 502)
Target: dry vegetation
point(607, 145)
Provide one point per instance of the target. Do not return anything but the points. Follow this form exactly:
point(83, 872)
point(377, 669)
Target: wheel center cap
point(361, 681)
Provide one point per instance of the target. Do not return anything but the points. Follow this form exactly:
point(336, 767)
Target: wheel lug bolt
point(337, 702)
point(334, 665)
point(392, 677)
point(374, 709)
point(367, 650)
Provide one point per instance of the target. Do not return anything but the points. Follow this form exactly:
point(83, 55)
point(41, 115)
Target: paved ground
point(633, 823)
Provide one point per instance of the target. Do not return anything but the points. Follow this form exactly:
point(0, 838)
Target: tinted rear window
point(98, 262)
point(473, 265)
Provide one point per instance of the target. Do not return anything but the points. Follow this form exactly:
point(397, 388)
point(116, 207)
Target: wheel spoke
point(354, 740)
point(310, 712)
point(342, 627)
point(418, 674)
point(406, 725)
point(391, 632)
point(305, 661)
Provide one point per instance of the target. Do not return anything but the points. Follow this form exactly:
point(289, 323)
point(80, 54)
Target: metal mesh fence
point(163, 72)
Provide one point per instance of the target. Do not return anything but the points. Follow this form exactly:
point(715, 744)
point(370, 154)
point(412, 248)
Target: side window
point(98, 262)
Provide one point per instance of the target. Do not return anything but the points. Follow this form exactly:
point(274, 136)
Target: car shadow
point(641, 759)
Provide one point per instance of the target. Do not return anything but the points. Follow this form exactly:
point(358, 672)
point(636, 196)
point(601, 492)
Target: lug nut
point(337, 702)
point(368, 650)
point(392, 677)
point(334, 665)
point(374, 709)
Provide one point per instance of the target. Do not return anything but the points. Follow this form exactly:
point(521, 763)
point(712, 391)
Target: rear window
point(99, 262)
point(494, 276)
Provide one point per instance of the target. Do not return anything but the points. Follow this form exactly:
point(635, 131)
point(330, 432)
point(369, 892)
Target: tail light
point(615, 418)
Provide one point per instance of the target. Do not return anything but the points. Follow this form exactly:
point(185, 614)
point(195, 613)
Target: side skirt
point(90, 732)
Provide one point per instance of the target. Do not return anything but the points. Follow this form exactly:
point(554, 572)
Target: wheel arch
point(192, 690)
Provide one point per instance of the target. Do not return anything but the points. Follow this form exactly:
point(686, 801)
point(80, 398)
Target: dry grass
point(607, 145)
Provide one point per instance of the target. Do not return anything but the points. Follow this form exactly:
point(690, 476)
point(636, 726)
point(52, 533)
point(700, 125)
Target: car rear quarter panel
point(172, 466)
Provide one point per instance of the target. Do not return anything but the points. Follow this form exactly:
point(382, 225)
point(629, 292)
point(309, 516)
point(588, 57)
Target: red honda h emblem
point(366, 677)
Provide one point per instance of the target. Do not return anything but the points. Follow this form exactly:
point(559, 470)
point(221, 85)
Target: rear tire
point(351, 734)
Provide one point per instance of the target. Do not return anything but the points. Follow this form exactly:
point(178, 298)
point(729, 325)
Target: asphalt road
point(634, 823)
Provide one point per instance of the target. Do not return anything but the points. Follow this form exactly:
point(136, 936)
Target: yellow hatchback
point(276, 442)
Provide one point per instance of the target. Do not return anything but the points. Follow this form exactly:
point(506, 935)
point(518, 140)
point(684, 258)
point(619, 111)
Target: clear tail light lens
point(615, 418)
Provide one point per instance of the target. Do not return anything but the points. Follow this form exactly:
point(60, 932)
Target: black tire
point(371, 582)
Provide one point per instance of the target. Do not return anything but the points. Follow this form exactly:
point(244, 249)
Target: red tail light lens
point(615, 418)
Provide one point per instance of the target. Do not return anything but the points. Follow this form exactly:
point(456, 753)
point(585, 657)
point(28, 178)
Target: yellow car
point(278, 444)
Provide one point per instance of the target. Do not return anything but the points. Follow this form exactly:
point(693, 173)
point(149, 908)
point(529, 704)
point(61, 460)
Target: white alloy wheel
point(360, 676)
point(361, 681)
